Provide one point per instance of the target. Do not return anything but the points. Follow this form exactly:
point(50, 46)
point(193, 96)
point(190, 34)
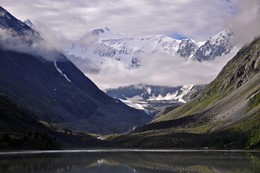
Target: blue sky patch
point(178, 36)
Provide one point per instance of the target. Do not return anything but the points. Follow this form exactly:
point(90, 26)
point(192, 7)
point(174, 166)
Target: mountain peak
point(8, 21)
point(217, 45)
point(224, 34)
point(29, 23)
point(187, 48)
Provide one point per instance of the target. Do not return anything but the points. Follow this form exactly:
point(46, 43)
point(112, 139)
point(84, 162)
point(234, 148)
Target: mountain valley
point(47, 100)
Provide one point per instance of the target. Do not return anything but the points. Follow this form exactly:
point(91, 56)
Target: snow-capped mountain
point(129, 50)
point(217, 45)
point(187, 48)
point(103, 43)
point(151, 98)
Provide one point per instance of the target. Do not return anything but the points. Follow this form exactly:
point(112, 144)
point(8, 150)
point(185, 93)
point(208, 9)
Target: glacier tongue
point(151, 98)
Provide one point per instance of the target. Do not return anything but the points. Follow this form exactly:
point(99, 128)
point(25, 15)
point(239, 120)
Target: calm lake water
point(131, 162)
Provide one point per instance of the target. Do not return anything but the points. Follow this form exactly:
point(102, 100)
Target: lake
point(129, 161)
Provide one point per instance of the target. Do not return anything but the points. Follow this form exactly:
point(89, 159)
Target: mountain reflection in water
point(131, 162)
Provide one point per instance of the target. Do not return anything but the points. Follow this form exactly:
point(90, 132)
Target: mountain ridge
point(223, 115)
point(131, 50)
point(55, 90)
point(226, 82)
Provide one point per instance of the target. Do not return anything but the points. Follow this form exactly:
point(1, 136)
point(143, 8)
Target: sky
point(196, 19)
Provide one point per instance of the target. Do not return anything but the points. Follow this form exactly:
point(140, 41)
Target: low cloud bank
point(245, 22)
point(30, 43)
point(158, 70)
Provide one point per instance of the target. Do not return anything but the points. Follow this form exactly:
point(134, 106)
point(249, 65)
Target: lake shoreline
point(121, 151)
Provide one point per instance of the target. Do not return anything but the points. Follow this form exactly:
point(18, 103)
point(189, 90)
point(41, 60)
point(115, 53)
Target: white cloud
point(158, 70)
point(30, 43)
point(197, 19)
point(246, 22)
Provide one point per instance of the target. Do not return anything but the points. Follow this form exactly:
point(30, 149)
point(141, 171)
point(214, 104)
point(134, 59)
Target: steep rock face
point(245, 65)
point(54, 89)
point(217, 45)
point(14, 26)
point(7, 21)
point(187, 48)
point(241, 74)
point(226, 100)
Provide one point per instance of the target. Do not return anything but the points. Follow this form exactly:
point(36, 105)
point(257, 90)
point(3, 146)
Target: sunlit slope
point(226, 114)
point(228, 97)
